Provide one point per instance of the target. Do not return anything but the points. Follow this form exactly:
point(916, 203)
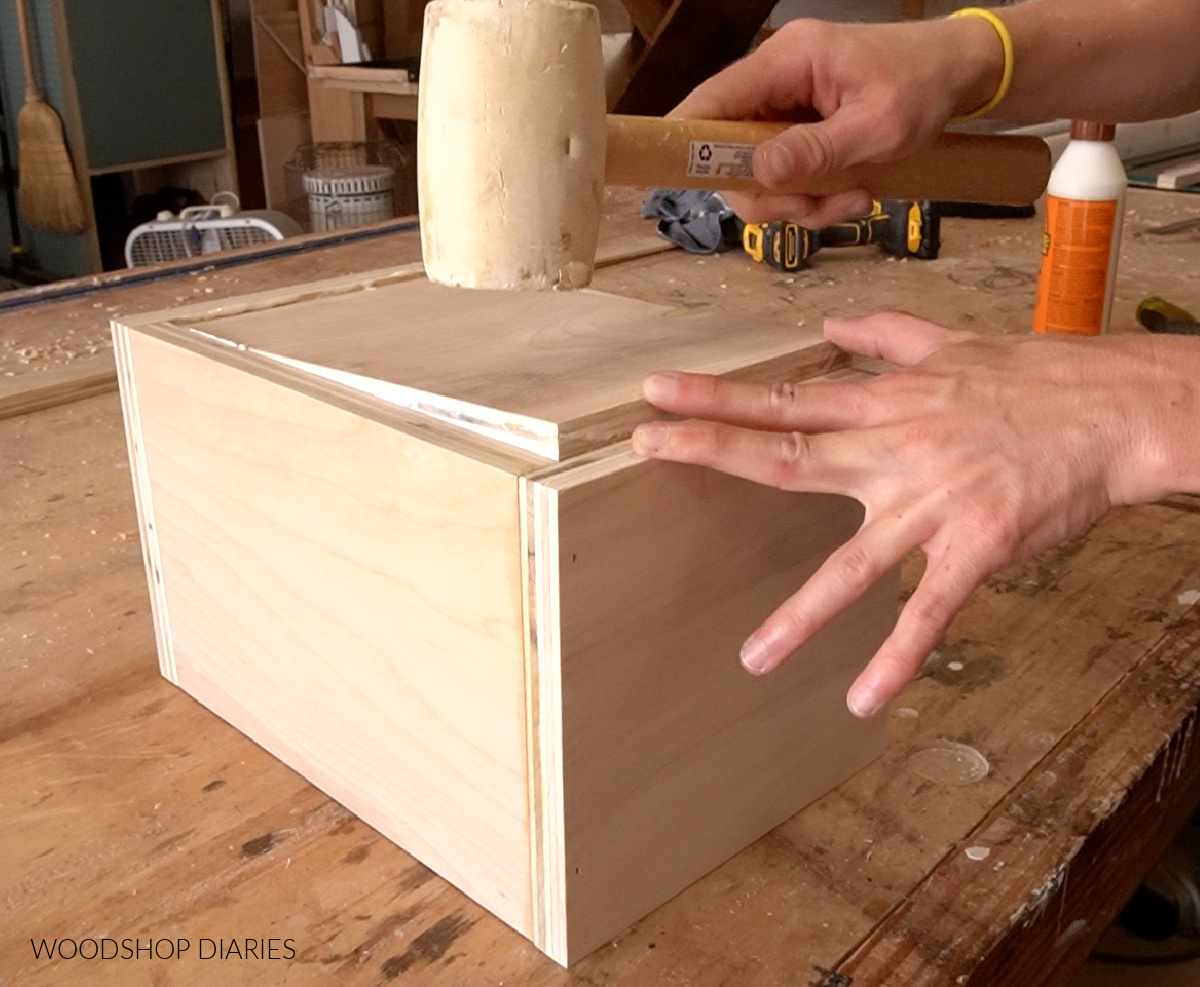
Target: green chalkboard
point(146, 76)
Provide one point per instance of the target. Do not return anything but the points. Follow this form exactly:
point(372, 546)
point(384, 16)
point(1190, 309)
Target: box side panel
point(675, 758)
point(350, 597)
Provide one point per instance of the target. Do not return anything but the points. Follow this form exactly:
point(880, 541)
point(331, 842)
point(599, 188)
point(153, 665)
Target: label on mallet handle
point(716, 159)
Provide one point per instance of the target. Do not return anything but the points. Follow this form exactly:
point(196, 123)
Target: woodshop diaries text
point(163, 949)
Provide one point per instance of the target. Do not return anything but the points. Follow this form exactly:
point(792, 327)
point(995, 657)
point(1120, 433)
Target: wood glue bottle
point(1085, 203)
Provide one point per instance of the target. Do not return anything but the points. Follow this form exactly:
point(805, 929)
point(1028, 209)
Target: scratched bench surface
point(1032, 773)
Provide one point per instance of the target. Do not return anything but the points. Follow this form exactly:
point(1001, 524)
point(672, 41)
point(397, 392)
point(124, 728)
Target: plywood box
point(396, 534)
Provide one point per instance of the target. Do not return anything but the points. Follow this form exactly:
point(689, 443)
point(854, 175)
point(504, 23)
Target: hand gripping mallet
point(514, 148)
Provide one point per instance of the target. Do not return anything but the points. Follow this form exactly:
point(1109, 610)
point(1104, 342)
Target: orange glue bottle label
point(1076, 252)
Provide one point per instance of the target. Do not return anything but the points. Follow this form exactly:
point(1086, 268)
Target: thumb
point(803, 156)
point(898, 337)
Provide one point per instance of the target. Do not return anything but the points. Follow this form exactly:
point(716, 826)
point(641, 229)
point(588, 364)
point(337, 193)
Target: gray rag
point(700, 222)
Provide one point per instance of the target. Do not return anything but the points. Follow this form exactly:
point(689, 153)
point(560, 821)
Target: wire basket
point(349, 196)
point(346, 183)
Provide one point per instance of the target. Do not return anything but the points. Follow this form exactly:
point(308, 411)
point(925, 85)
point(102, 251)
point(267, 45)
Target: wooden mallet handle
point(715, 154)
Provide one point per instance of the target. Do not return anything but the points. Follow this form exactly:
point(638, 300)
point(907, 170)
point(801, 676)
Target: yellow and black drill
point(902, 227)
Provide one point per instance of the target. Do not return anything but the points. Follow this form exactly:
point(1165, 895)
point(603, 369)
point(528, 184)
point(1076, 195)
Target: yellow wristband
point(1007, 42)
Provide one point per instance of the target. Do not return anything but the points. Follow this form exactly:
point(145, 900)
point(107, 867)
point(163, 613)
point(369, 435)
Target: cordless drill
point(902, 227)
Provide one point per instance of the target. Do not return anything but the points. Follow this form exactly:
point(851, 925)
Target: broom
point(49, 192)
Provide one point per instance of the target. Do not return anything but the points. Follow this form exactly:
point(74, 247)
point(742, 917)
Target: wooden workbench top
point(1033, 771)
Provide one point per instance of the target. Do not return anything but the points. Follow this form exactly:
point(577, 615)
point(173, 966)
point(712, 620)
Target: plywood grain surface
point(357, 610)
point(661, 574)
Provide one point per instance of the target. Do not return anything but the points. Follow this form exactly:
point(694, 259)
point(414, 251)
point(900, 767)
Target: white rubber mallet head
point(510, 143)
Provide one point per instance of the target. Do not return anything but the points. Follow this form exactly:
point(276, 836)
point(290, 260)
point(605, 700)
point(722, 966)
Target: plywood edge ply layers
point(143, 501)
point(539, 512)
point(299, 599)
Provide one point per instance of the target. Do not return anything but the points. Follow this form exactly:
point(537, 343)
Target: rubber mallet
point(514, 148)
